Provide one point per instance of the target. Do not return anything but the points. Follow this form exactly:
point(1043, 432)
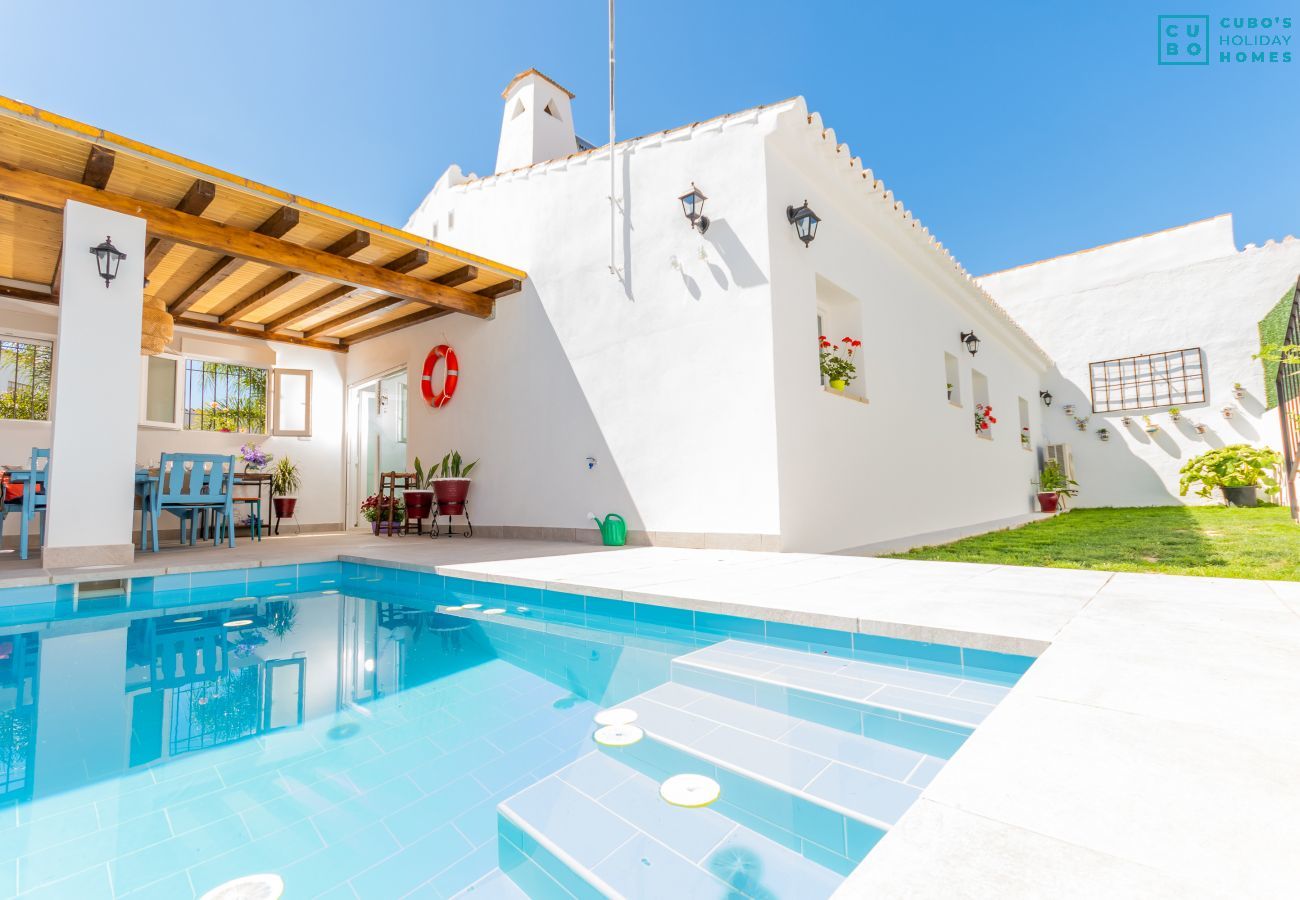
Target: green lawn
point(1201, 540)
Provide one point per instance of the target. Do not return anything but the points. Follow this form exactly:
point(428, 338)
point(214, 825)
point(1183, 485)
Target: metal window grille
point(1173, 378)
point(1288, 405)
point(211, 713)
point(19, 654)
point(224, 397)
point(25, 367)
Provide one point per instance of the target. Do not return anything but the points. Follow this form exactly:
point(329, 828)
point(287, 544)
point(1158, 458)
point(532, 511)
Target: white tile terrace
point(1149, 752)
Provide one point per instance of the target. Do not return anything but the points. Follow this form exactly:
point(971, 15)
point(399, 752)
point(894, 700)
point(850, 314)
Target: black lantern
point(972, 343)
point(693, 206)
point(1046, 397)
point(107, 259)
point(804, 221)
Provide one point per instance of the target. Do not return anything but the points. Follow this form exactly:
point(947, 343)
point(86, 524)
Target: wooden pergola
point(225, 253)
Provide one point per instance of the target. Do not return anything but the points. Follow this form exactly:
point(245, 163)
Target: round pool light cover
point(495, 611)
point(471, 605)
point(619, 715)
point(266, 886)
point(618, 735)
point(691, 791)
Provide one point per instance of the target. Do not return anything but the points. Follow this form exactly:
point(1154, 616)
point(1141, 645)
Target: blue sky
point(1015, 131)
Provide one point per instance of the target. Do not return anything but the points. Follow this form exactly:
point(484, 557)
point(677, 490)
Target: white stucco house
point(625, 361)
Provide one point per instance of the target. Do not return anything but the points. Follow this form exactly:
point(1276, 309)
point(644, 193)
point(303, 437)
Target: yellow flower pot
point(838, 384)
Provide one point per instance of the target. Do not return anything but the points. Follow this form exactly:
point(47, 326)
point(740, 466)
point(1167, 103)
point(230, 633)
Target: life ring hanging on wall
point(443, 397)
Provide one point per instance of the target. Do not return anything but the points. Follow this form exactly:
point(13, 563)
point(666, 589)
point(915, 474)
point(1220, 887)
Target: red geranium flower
point(984, 426)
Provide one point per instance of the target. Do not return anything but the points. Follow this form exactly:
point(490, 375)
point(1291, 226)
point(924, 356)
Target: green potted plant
point(1150, 427)
point(285, 482)
point(1237, 470)
point(1054, 487)
point(450, 482)
point(1175, 414)
point(840, 370)
point(375, 511)
point(419, 500)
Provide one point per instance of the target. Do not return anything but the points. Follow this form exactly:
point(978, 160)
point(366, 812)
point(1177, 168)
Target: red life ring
point(442, 397)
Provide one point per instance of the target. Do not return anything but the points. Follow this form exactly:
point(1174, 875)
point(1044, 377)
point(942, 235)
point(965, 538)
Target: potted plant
point(1081, 423)
point(1201, 427)
point(375, 510)
point(1150, 427)
point(255, 458)
point(838, 370)
point(1175, 413)
point(1103, 433)
point(1054, 487)
point(285, 482)
point(1227, 412)
point(1024, 437)
point(1126, 421)
point(1237, 390)
point(983, 419)
point(450, 482)
point(950, 391)
point(1069, 409)
point(419, 501)
point(1237, 470)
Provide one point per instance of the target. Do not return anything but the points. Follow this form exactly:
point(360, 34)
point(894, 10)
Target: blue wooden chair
point(192, 484)
point(36, 491)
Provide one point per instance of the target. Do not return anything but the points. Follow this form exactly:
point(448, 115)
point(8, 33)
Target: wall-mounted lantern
point(693, 207)
point(972, 343)
point(1046, 397)
point(804, 221)
point(107, 259)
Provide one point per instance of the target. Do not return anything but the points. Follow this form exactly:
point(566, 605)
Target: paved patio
point(1148, 753)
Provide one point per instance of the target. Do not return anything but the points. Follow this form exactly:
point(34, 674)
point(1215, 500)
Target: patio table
point(258, 479)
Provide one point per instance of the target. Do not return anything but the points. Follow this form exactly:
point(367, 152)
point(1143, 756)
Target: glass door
point(379, 415)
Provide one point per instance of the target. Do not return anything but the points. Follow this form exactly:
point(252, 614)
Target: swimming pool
point(363, 731)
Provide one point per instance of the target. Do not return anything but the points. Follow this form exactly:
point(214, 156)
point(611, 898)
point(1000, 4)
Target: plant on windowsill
point(1054, 487)
point(450, 482)
point(950, 393)
point(375, 511)
point(1149, 426)
point(838, 370)
point(1237, 470)
point(983, 419)
point(285, 481)
point(1024, 437)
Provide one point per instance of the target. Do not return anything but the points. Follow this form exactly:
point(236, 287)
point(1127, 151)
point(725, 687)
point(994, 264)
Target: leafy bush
point(1236, 465)
point(285, 480)
point(1052, 480)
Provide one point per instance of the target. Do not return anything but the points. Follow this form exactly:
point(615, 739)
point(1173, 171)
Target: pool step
point(925, 711)
point(598, 828)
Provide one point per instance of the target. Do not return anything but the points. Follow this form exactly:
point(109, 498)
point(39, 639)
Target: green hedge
point(1272, 330)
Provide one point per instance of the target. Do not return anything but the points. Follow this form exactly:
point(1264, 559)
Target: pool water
point(368, 732)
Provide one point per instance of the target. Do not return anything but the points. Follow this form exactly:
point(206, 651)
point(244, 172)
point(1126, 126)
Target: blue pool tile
point(563, 600)
point(914, 736)
point(489, 590)
point(862, 838)
point(759, 867)
point(841, 865)
point(407, 869)
point(997, 662)
point(464, 872)
point(772, 805)
point(644, 867)
point(91, 884)
point(663, 616)
point(585, 829)
point(326, 869)
point(897, 647)
point(169, 888)
point(53, 863)
point(219, 578)
point(137, 869)
point(820, 825)
point(607, 608)
point(808, 635)
point(518, 595)
point(691, 832)
point(160, 583)
point(880, 799)
point(526, 872)
point(833, 714)
point(717, 623)
point(273, 580)
point(271, 854)
point(315, 576)
point(412, 822)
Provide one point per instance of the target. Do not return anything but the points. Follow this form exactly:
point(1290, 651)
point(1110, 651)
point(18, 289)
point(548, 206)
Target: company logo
point(1183, 40)
point(1187, 40)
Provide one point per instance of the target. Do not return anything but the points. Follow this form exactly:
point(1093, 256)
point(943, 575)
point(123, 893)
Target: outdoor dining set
point(199, 489)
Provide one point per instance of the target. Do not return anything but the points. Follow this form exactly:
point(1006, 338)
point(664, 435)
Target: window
point(224, 397)
point(1173, 378)
point(25, 367)
point(953, 376)
point(979, 388)
point(550, 110)
point(1026, 439)
point(292, 394)
point(160, 389)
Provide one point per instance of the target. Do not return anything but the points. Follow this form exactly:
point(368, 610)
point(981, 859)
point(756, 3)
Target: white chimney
point(537, 123)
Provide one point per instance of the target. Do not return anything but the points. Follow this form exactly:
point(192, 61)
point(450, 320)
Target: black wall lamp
point(693, 206)
point(972, 343)
point(1046, 397)
point(107, 259)
point(804, 221)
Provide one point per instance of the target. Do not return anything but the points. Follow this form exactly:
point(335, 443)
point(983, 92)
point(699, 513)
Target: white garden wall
point(1185, 287)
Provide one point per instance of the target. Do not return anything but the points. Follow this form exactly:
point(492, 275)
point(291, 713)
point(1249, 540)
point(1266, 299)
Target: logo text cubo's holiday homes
point(1186, 40)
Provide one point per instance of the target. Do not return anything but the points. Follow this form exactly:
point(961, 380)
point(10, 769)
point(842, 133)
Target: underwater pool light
point(237, 623)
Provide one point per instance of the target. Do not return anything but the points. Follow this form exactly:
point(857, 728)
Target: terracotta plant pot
point(418, 503)
point(1047, 502)
point(284, 506)
point(451, 494)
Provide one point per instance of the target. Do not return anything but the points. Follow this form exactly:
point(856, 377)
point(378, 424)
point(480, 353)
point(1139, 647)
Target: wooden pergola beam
point(48, 192)
point(494, 291)
point(395, 325)
point(99, 166)
point(18, 293)
point(195, 201)
point(456, 276)
point(350, 244)
point(407, 262)
point(278, 224)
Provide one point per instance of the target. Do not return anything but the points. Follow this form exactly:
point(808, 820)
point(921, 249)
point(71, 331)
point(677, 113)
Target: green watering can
point(613, 530)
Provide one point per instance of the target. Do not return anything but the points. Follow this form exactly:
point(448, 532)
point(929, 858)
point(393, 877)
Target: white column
point(96, 393)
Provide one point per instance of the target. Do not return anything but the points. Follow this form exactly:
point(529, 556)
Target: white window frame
point(274, 404)
point(178, 403)
point(29, 337)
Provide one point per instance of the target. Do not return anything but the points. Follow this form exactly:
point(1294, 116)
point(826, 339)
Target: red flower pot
point(418, 503)
point(451, 494)
point(1047, 502)
point(386, 527)
point(284, 506)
